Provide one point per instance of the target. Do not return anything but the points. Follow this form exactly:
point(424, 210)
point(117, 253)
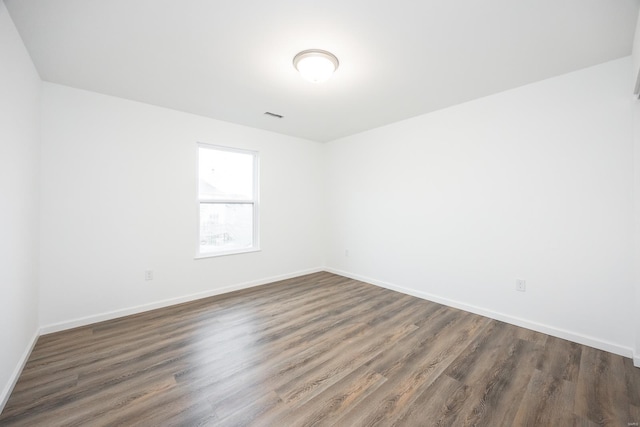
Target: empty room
point(338, 213)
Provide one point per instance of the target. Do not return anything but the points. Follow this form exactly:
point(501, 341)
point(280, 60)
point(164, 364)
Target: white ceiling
point(232, 60)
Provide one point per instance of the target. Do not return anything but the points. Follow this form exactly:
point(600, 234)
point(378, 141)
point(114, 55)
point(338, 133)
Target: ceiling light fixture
point(316, 65)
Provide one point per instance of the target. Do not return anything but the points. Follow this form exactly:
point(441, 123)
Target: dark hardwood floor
point(318, 350)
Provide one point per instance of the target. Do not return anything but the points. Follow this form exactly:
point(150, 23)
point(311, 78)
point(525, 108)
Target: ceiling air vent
point(277, 116)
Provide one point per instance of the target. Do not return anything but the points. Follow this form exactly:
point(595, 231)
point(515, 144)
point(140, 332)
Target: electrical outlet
point(148, 275)
point(521, 285)
point(346, 252)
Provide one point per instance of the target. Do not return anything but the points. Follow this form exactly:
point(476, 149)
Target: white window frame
point(255, 201)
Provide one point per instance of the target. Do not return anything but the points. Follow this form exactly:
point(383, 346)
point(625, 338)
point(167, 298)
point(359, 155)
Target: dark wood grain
point(601, 395)
point(561, 359)
point(318, 350)
point(546, 401)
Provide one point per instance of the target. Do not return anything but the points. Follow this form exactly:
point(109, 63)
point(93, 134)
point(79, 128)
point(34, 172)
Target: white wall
point(636, 169)
point(20, 91)
point(119, 192)
point(635, 52)
point(533, 183)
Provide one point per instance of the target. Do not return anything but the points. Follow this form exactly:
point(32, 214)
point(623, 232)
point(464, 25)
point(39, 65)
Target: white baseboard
point(83, 321)
point(13, 379)
point(524, 323)
point(636, 361)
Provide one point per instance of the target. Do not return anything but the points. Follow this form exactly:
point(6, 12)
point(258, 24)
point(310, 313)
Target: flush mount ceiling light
point(316, 65)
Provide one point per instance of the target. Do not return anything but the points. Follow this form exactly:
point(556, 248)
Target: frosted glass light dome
point(316, 65)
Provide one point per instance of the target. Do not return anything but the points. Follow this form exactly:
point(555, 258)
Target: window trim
point(255, 201)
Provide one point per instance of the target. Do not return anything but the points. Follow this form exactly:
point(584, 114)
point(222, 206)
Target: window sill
point(226, 253)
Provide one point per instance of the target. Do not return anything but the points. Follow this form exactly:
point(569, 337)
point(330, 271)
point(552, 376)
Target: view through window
point(227, 198)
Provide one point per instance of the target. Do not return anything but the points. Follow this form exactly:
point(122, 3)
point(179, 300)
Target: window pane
point(225, 175)
point(225, 227)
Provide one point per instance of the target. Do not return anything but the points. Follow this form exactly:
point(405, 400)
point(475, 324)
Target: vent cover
point(277, 116)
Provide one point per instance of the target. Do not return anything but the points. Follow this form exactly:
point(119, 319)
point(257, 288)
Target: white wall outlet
point(346, 252)
point(148, 275)
point(521, 285)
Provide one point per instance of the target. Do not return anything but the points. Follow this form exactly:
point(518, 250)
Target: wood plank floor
point(318, 350)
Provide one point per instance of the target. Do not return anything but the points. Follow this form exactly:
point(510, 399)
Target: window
point(227, 200)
